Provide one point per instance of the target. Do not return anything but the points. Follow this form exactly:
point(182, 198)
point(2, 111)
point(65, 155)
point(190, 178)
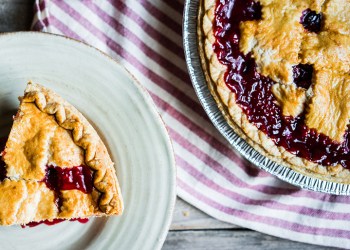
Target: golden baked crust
point(290, 98)
point(331, 91)
point(25, 201)
point(36, 141)
point(262, 38)
point(48, 131)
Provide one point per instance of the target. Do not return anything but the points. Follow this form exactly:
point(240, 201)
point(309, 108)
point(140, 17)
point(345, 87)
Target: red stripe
point(162, 16)
point(64, 28)
point(155, 34)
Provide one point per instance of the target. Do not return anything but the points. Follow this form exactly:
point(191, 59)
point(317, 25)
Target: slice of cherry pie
point(55, 166)
point(279, 71)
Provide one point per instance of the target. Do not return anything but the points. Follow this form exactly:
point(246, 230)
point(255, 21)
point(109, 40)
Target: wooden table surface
point(191, 228)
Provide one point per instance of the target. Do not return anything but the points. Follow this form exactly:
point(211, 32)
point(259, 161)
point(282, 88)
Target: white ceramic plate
point(126, 119)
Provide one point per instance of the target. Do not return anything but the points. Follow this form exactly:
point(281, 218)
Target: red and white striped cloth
point(146, 37)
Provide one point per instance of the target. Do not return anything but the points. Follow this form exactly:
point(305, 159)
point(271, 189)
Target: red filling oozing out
point(253, 91)
point(58, 179)
point(79, 178)
point(55, 221)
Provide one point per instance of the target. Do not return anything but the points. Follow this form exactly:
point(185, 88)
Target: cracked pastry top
point(279, 71)
point(54, 165)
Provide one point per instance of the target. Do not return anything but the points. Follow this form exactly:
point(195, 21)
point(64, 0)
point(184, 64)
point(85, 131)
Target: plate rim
point(158, 243)
point(208, 103)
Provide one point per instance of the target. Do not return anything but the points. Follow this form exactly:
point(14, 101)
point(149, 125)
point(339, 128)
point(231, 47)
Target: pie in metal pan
point(278, 71)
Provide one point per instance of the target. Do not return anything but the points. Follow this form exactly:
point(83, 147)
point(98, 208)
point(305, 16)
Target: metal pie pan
point(217, 118)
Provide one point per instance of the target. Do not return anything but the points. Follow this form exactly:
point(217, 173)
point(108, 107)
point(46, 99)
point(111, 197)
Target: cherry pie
point(279, 71)
point(55, 166)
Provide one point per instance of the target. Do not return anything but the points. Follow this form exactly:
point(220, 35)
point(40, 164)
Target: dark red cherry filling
point(311, 20)
point(302, 74)
point(58, 179)
point(79, 178)
point(54, 222)
point(253, 92)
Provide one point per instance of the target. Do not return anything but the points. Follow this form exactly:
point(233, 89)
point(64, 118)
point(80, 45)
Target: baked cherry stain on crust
point(253, 92)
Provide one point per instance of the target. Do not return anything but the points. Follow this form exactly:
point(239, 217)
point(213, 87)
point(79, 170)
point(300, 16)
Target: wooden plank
point(188, 217)
point(230, 239)
point(15, 15)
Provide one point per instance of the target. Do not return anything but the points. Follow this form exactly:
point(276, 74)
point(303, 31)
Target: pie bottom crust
point(214, 73)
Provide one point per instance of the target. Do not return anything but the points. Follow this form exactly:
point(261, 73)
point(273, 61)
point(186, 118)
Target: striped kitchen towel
point(146, 37)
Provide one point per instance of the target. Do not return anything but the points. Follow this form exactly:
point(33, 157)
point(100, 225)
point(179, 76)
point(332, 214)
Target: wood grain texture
point(191, 229)
point(230, 239)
